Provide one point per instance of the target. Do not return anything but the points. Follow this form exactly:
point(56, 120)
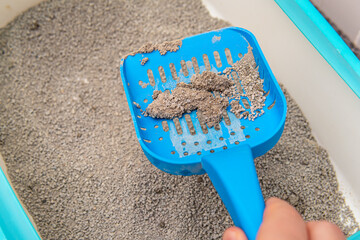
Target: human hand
point(281, 221)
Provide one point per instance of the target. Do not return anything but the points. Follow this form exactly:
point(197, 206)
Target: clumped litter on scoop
point(210, 93)
point(188, 97)
point(184, 100)
point(69, 144)
point(163, 48)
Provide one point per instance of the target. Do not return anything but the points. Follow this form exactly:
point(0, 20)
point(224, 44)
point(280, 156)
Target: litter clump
point(210, 81)
point(212, 110)
point(199, 94)
point(163, 48)
point(181, 100)
point(184, 99)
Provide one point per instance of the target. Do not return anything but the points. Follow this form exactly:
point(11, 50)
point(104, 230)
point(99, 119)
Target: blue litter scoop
point(184, 146)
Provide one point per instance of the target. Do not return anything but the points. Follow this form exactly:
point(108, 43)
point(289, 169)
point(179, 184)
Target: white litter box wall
point(330, 106)
point(345, 14)
point(9, 9)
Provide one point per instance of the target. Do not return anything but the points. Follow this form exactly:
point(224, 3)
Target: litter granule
point(69, 143)
point(144, 60)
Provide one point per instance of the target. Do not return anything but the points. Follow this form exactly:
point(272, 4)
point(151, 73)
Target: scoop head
point(177, 146)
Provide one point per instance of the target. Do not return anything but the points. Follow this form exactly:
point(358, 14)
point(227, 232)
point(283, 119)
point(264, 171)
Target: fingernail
point(234, 233)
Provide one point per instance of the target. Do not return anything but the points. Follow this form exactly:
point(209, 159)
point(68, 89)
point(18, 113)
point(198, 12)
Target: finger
point(319, 230)
point(281, 221)
point(234, 233)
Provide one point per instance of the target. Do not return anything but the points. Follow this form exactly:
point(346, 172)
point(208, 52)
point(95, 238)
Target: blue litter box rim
point(325, 40)
point(356, 236)
point(14, 223)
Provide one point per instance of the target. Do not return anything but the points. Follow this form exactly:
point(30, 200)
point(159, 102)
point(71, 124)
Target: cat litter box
point(333, 88)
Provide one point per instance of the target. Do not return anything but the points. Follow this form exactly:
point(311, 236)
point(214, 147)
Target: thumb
point(234, 233)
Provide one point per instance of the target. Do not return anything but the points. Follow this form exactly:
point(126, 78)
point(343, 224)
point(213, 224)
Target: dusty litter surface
point(68, 141)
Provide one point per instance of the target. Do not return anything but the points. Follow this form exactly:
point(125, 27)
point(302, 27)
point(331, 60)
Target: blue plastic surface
point(356, 236)
point(233, 175)
point(325, 39)
point(188, 154)
point(14, 223)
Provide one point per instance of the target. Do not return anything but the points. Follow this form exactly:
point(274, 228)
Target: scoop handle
point(234, 177)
